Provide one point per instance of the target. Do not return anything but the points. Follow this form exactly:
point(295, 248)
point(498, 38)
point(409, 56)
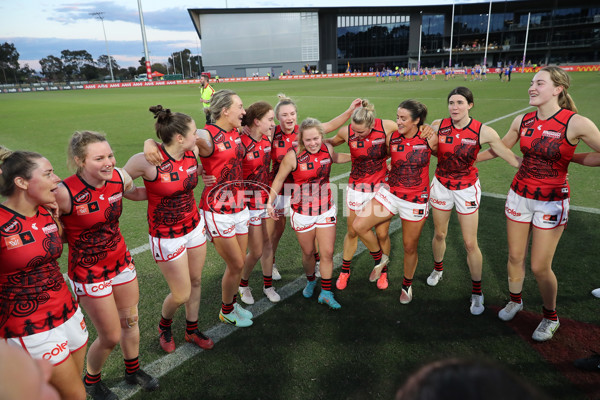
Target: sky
point(39, 28)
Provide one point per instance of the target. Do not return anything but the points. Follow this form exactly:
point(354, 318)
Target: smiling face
point(287, 117)
point(235, 113)
point(542, 89)
point(266, 125)
point(98, 165)
point(312, 139)
point(406, 125)
point(459, 107)
point(42, 185)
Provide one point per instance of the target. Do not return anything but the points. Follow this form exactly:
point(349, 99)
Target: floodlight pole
point(148, 65)
point(487, 35)
point(100, 16)
point(451, 34)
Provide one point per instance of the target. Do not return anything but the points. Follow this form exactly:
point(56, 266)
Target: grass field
point(300, 349)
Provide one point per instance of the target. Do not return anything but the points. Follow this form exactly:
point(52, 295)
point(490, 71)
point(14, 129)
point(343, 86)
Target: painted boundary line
point(184, 352)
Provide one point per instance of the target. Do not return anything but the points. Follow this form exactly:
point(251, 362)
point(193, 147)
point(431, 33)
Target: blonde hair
point(560, 78)
point(364, 115)
point(221, 100)
point(78, 147)
point(308, 123)
point(284, 101)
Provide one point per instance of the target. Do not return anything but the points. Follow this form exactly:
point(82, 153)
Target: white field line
point(218, 332)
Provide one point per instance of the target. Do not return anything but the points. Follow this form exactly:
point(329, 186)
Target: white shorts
point(55, 345)
point(256, 217)
point(103, 289)
point(542, 214)
point(281, 205)
point(226, 225)
point(466, 201)
point(166, 249)
point(356, 200)
point(404, 209)
point(306, 223)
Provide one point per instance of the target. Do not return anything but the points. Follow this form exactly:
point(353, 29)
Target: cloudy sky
point(39, 28)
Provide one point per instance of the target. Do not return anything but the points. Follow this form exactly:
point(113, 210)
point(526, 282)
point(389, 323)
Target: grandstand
point(328, 39)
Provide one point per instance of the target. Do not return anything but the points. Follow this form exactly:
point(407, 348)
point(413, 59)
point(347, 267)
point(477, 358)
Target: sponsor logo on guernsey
point(50, 229)
point(379, 141)
point(512, 212)
point(552, 134)
point(101, 197)
point(11, 226)
point(325, 161)
point(469, 142)
point(420, 147)
point(83, 197)
point(238, 140)
point(445, 131)
point(303, 167)
point(115, 197)
point(529, 122)
point(19, 240)
point(268, 149)
point(191, 170)
point(56, 350)
point(34, 226)
point(303, 158)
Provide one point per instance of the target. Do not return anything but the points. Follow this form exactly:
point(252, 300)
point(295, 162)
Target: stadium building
point(244, 42)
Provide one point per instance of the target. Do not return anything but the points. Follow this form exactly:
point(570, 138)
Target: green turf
point(299, 349)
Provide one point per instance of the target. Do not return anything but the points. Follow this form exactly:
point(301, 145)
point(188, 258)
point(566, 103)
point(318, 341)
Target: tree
point(159, 67)
point(9, 61)
point(103, 63)
point(52, 68)
point(181, 64)
point(74, 61)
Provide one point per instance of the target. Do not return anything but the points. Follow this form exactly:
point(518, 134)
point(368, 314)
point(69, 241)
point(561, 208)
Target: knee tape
point(129, 316)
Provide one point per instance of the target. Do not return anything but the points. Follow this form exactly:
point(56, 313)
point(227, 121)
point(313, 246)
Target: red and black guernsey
point(409, 174)
point(172, 208)
point(457, 152)
point(33, 294)
point(312, 194)
point(226, 195)
point(97, 250)
point(281, 144)
point(369, 157)
point(546, 157)
point(255, 168)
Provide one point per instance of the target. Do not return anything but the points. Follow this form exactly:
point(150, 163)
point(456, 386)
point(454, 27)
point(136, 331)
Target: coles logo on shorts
point(101, 286)
point(512, 212)
point(176, 253)
point(439, 202)
point(57, 350)
point(229, 230)
point(550, 218)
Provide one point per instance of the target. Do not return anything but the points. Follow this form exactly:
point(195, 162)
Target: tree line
point(79, 65)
